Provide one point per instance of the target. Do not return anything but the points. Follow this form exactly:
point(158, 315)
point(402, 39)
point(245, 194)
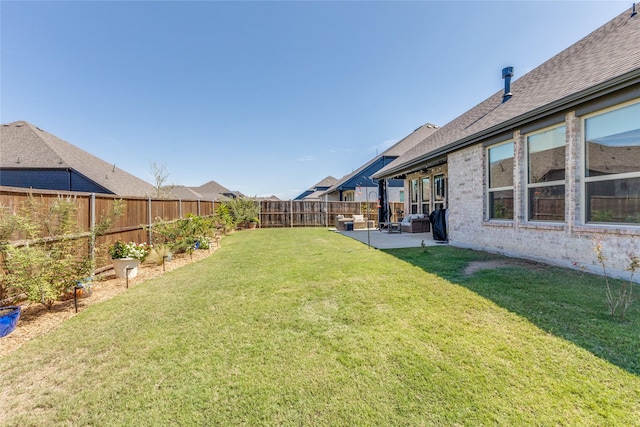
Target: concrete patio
point(384, 240)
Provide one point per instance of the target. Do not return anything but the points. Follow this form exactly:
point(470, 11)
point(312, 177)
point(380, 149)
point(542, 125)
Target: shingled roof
point(25, 146)
point(395, 151)
point(214, 191)
point(315, 191)
point(606, 60)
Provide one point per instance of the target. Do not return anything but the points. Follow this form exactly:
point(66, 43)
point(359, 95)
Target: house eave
point(621, 82)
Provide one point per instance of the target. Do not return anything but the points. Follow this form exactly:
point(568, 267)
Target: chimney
point(507, 73)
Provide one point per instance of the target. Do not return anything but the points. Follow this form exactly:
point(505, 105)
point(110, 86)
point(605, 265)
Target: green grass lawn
point(306, 327)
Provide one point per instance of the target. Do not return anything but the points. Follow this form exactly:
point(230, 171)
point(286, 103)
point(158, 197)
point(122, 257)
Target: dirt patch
point(476, 266)
point(36, 320)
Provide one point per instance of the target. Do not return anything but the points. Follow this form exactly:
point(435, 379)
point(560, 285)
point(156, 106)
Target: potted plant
point(8, 319)
point(126, 257)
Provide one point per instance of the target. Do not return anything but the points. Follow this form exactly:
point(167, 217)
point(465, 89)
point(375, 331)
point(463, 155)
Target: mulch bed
point(36, 320)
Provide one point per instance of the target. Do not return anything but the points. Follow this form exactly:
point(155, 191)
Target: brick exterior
point(553, 243)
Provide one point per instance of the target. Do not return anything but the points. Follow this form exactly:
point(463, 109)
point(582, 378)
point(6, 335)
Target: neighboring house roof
point(182, 192)
point(273, 198)
point(606, 60)
point(310, 195)
point(315, 191)
point(214, 191)
point(325, 183)
point(25, 146)
point(393, 152)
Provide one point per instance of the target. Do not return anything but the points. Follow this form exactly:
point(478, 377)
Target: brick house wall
point(552, 243)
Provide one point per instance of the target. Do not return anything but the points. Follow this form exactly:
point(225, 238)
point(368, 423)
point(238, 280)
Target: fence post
point(180, 208)
point(291, 213)
point(150, 234)
point(92, 210)
point(326, 210)
point(199, 214)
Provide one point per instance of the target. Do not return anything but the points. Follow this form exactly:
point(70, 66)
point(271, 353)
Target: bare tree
point(160, 175)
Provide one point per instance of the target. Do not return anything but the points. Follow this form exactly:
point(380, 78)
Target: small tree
point(623, 297)
point(55, 253)
point(223, 218)
point(159, 174)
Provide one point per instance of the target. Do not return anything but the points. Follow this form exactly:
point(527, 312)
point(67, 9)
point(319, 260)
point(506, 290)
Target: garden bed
point(36, 320)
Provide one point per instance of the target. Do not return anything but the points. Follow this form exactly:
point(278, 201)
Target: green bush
point(224, 220)
point(54, 255)
point(181, 235)
point(242, 210)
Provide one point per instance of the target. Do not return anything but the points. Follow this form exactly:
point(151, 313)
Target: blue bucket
point(8, 319)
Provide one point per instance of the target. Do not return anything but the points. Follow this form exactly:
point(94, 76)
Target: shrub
point(181, 235)
point(242, 210)
point(54, 255)
point(622, 297)
point(223, 218)
point(158, 254)
point(44, 266)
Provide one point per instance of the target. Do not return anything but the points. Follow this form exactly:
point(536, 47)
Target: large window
point(439, 192)
point(426, 194)
point(612, 166)
point(546, 173)
point(500, 171)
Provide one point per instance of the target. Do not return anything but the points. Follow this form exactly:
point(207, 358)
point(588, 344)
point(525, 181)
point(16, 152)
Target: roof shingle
point(603, 58)
point(26, 146)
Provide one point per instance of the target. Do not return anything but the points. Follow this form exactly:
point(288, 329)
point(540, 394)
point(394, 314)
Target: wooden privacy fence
point(140, 212)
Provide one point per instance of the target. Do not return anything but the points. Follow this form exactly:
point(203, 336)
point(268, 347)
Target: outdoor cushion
point(407, 219)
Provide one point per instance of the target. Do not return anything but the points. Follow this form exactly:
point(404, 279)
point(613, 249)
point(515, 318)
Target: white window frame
point(426, 188)
point(349, 196)
point(414, 195)
point(529, 185)
point(601, 178)
point(498, 189)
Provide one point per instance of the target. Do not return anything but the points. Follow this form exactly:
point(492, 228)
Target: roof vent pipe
point(507, 73)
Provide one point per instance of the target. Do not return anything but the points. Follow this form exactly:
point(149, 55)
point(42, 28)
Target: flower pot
point(8, 319)
point(121, 265)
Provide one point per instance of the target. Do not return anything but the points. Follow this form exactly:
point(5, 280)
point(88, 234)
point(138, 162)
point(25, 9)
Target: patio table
point(392, 227)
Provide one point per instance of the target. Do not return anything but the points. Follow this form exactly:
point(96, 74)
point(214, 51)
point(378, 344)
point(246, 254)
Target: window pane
point(414, 191)
point(426, 190)
point(501, 204)
point(616, 200)
point(438, 187)
point(501, 166)
point(546, 152)
point(613, 142)
point(546, 203)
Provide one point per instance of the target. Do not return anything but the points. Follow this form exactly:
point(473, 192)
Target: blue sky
point(266, 97)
